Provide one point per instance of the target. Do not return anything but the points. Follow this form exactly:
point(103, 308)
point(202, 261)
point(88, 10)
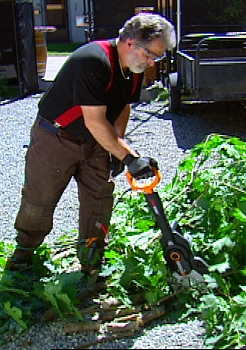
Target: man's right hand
point(140, 167)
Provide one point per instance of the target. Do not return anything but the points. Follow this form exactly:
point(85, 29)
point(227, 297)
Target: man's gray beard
point(137, 70)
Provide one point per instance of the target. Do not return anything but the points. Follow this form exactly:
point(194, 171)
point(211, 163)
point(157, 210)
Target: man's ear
point(129, 43)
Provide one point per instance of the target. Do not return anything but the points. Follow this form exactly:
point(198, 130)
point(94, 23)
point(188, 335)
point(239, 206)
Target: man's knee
point(31, 218)
point(33, 223)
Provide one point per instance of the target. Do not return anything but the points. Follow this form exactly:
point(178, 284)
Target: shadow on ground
point(197, 120)
point(194, 122)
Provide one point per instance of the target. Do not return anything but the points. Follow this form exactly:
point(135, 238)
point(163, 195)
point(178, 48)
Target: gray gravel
point(152, 131)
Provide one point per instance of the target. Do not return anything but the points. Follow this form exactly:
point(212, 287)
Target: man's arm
point(121, 122)
point(104, 133)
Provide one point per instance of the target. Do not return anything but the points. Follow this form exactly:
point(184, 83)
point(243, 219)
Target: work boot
point(20, 260)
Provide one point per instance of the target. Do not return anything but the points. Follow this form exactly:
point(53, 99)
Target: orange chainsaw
point(184, 267)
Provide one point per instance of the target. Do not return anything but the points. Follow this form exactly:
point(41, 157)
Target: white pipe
point(178, 22)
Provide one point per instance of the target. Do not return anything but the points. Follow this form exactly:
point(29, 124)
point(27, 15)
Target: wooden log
point(111, 314)
point(48, 315)
point(141, 320)
point(107, 302)
point(150, 315)
point(89, 310)
point(82, 327)
point(132, 317)
point(118, 327)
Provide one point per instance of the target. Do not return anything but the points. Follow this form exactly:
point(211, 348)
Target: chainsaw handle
point(147, 187)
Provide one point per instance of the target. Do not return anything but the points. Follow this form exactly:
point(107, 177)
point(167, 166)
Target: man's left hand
point(116, 166)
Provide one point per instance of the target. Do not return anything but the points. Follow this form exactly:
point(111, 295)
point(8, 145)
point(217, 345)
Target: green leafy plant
point(134, 261)
point(47, 285)
point(207, 197)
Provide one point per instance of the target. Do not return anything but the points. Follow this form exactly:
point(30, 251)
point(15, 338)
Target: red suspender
point(68, 116)
point(75, 112)
point(134, 83)
point(109, 52)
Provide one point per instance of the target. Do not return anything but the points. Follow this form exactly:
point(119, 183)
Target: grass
point(62, 49)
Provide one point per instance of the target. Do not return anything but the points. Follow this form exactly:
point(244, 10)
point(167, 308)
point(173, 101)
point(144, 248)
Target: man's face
point(139, 58)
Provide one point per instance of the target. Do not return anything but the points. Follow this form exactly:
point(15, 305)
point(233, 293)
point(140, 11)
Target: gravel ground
point(152, 131)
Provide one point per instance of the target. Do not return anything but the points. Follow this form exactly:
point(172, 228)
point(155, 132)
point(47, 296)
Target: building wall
point(73, 27)
point(107, 17)
point(39, 13)
point(76, 20)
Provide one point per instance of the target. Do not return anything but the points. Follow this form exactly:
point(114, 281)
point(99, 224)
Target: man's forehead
point(157, 46)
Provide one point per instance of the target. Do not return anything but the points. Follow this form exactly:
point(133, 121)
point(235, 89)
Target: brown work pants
point(51, 162)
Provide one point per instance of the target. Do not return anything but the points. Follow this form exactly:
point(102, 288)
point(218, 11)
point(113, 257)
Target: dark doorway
point(56, 14)
point(17, 46)
point(110, 15)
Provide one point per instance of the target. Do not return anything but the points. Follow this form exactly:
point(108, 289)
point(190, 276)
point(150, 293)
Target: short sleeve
point(90, 81)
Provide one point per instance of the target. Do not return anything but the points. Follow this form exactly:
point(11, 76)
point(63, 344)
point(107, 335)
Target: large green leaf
point(15, 313)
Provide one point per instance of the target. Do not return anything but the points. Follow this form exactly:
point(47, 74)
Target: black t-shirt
point(83, 80)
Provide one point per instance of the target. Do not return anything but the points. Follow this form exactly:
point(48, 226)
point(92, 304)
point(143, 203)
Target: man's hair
point(146, 27)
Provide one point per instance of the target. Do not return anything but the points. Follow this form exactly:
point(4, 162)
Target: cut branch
point(82, 327)
point(89, 310)
point(150, 315)
point(117, 327)
point(110, 315)
point(141, 320)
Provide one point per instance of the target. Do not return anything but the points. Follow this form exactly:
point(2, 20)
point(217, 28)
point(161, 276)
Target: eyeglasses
point(153, 56)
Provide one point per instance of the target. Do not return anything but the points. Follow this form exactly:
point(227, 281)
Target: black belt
point(49, 126)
